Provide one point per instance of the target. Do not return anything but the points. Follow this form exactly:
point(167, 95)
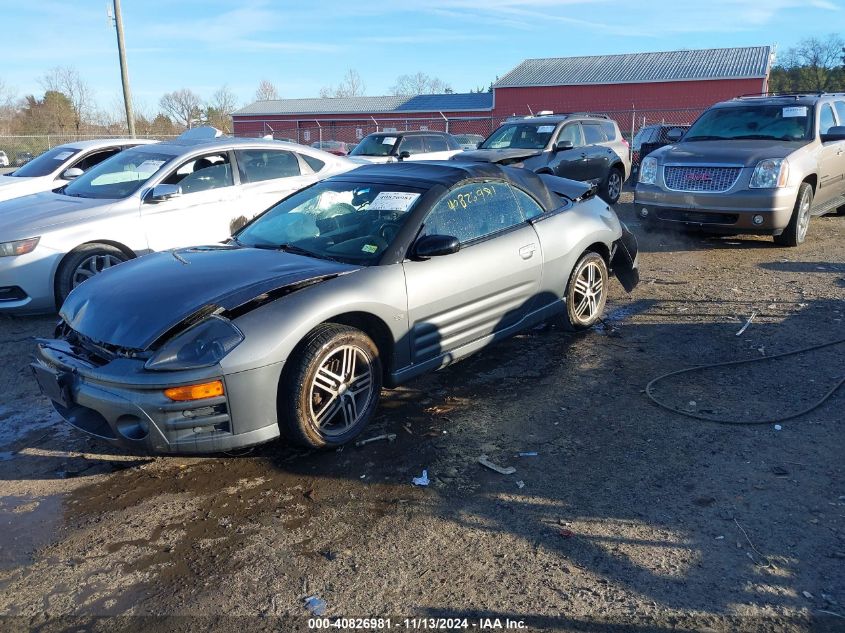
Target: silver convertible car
point(365, 279)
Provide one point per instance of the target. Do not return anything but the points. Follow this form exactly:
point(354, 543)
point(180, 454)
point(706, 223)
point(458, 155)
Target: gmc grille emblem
point(699, 176)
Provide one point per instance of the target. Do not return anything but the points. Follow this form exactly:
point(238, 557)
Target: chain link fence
point(351, 131)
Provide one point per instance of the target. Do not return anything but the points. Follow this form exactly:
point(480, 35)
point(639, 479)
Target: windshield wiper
point(287, 248)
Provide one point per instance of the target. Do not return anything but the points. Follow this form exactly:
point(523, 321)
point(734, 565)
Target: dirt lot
point(629, 517)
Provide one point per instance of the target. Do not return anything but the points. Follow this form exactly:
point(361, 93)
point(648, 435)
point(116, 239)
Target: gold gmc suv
point(763, 165)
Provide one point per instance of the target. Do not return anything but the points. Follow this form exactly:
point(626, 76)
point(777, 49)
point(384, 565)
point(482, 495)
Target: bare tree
point(183, 106)
point(815, 64)
point(419, 84)
point(219, 110)
point(67, 80)
point(350, 86)
point(6, 95)
point(266, 91)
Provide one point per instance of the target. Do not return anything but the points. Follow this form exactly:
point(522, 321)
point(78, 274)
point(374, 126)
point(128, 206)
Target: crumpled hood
point(500, 156)
point(132, 305)
point(742, 152)
point(30, 215)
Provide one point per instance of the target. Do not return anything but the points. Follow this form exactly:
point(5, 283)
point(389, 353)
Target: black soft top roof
point(427, 174)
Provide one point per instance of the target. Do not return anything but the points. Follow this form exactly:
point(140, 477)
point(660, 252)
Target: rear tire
point(611, 189)
point(82, 264)
point(796, 231)
point(586, 293)
point(331, 388)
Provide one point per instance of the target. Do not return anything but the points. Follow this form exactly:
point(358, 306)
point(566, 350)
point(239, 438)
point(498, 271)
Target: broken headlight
point(201, 345)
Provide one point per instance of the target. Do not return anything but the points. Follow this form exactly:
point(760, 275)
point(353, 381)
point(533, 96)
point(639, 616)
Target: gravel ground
point(629, 517)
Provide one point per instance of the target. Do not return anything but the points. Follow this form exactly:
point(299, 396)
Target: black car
point(581, 146)
point(651, 137)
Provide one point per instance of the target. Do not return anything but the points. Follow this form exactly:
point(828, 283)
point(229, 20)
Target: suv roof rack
point(588, 114)
point(795, 95)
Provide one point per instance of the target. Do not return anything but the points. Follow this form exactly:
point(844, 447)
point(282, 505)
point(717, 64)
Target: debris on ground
point(529, 454)
point(315, 605)
point(807, 595)
point(566, 533)
point(387, 436)
point(422, 480)
point(520, 484)
point(747, 323)
point(778, 427)
point(502, 470)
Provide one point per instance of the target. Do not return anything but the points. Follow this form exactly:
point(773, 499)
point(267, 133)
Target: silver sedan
point(366, 279)
point(192, 190)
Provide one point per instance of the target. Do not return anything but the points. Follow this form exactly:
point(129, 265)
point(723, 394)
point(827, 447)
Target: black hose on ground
point(769, 420)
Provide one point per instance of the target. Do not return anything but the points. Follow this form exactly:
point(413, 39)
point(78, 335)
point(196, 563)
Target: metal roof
point(373, 105)
point(685, 65)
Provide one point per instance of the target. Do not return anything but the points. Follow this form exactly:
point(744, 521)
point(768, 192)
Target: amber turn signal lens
point(195, 392)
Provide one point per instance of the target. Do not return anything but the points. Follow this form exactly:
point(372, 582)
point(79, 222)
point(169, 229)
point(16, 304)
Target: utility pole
point(124, 72)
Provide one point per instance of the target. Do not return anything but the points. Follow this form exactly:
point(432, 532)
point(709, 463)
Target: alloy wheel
point(589, 286)
point(341, 390)
point(614, 185)
point(803, 218)
point(93, 265)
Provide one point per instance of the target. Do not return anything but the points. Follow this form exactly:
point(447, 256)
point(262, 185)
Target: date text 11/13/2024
point(430, 624)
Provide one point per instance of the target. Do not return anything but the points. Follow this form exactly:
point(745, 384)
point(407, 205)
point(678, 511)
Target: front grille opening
point(12, 293)
point(708, 179)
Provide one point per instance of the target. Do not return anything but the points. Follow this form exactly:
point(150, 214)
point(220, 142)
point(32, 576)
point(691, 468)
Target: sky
point(301, 46)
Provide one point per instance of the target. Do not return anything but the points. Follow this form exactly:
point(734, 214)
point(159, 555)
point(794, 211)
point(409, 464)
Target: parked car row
point(323, 277)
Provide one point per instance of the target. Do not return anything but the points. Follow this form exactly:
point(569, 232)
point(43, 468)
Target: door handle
point(527, 252)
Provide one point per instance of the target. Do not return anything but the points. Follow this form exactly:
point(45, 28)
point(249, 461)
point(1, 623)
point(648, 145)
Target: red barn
point(350, 118)
point(635, 89)
point(674, 85)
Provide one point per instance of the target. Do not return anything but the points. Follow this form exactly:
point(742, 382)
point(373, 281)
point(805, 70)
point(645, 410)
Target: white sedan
point(61, 164)
point(150, 198)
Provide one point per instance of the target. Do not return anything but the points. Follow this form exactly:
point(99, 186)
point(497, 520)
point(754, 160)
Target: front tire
point(331, 390)
point(586, 292)
point(82, 264)
point(796, 231)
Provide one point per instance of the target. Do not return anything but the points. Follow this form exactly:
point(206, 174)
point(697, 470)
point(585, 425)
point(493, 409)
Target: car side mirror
point(404, 154)
point(160, 193)
point(478, 145)
point(561, 146)
point(836, 133)
point(674, 134)
point(436, 245)
point(73, 172)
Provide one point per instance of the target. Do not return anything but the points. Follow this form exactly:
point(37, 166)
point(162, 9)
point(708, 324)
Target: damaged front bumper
point(623, 260)
point(124, 404)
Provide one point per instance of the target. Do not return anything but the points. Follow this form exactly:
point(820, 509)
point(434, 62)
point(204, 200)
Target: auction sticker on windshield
point(388, 140)
point(545, 129)
point(794, 111)
point(62, 155)
point(393, 201)
point(149, 166)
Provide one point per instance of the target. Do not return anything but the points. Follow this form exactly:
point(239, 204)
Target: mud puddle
point(26, 524)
